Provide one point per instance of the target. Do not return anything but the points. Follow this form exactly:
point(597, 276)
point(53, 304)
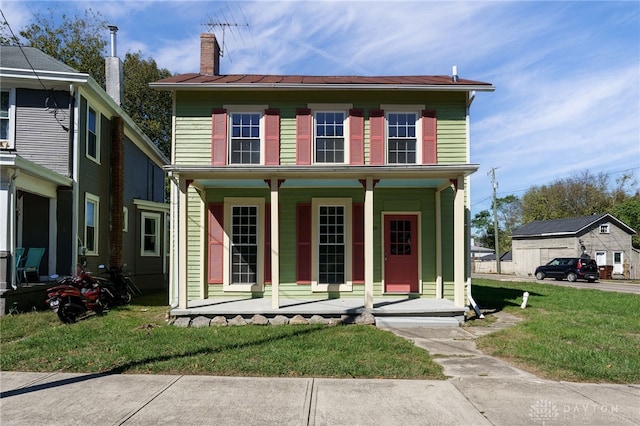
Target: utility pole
point(492, 172)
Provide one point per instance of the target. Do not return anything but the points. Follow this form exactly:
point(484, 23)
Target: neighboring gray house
point(77, 176)
point(601, 237)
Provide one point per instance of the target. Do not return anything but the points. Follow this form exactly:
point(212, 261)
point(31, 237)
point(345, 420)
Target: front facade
point(78, 178)
point(314, 188)
point(601, 237)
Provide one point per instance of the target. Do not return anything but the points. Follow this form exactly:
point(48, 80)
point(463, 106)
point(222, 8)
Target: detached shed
point(601, 237)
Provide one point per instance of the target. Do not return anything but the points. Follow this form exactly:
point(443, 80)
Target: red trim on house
point(356, 136)
point(303, 243)
point(376, 137)
point(429, 137)
point(303, 136)
point(216, 243)
point(272, 137)
point(218, 137)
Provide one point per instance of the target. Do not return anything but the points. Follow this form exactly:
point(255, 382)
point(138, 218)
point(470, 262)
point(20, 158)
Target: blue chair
point(31, 263)
point(18, 256)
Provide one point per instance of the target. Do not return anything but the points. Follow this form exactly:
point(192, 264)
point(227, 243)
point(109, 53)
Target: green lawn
point(137, 339)
point(566, 333)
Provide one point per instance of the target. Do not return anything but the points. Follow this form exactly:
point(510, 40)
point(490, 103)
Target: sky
point(567, 74)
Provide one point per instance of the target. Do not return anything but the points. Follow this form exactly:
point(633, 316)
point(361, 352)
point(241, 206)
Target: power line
point(51, 99)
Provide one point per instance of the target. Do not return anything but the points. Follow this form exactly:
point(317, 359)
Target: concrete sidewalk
point(128, 399)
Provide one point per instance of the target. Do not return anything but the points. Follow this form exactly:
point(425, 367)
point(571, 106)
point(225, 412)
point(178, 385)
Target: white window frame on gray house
point(605, 228)
point(150, 237)
point(93, 134)
point(8, 118)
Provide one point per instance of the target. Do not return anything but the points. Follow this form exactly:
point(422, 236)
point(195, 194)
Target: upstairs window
point(329, 137)
point(401, 138)
point(7, 118)
point(604, 228)
point(245, 138)
point(93, 141)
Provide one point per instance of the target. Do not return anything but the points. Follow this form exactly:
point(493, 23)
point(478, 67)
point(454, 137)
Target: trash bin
point(606, 271)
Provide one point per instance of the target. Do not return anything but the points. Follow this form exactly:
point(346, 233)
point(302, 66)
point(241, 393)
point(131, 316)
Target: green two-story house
point(319, 187)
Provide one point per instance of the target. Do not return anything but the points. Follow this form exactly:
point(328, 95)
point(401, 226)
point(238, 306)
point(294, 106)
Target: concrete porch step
point(421, 321)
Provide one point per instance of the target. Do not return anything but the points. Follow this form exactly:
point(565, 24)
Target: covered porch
point(407, 310)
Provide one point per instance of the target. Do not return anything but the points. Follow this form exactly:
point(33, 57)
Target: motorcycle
point(76, 296)
point(120, 285)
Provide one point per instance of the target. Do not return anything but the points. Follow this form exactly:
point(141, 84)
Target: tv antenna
point(213, 24)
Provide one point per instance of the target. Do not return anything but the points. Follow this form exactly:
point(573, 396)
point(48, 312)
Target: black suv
point(571, 268)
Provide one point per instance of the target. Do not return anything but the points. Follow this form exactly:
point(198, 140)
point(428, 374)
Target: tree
point(629, 212)
point(580, 195)
point(509, 218)
point(79, 42)
point(151, 109)
point(75, 41)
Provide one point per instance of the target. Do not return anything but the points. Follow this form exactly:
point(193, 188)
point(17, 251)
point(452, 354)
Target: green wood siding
point(193, 118)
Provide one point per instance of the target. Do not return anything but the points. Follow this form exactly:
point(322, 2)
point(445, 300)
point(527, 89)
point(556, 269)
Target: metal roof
point(570, 226)
point(255, 81)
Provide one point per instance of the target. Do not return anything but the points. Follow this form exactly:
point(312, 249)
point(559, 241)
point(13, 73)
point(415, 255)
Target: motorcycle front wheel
point(69, 313)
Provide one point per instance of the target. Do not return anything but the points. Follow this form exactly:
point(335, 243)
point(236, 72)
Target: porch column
point(204, 238)
point(275, 245)
point(182, 243)
point(438, 203)
point(368, 243)
point(459, 257)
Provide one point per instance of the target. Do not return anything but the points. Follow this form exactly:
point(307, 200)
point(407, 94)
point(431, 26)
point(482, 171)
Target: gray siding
point(40, 136)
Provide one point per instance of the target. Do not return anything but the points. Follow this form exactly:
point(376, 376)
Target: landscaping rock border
point(365, 318)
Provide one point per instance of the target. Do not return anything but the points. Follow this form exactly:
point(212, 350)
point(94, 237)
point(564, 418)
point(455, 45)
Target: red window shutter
point(357, 211)
point(303, 243)
point(356, 136)
point(218, 137)
point(272, 137)
point(429, 137)
point(216, 243)
point(267, 243)
point(303, 136)
point(376, 137)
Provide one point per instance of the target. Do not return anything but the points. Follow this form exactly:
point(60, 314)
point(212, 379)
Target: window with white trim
point(329, 136)
point(7, 118)
point(91, 222)
point(244, 245)
point(150, 234)
point(244, 240)
point(245, 138)
point(93, 135)
point(604, 228)
point(402, 141)
point(331, 244)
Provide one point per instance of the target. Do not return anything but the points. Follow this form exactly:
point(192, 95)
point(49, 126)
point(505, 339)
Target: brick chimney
point(209, 55)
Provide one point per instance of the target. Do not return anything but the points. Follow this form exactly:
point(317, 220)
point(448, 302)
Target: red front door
point(401, 253)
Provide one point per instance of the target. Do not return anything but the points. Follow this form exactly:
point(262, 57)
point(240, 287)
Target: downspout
point(75, 172)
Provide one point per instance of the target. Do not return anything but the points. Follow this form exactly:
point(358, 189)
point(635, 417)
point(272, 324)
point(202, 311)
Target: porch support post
point(275, 245)
point(202, 214)
point(368, 243)
point(438, 203)
point(459, 258)
point(182, 243)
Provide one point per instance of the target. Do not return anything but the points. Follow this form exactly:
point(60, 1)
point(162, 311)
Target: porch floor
point(382, 307)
